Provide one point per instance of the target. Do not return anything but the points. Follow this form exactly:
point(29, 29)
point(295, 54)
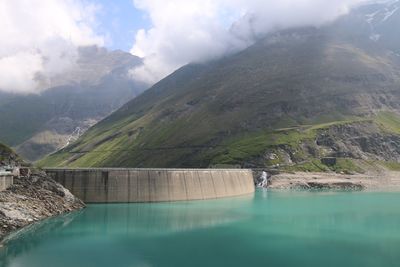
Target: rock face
point(364, 140)
point(31, 199)
point(322, 181)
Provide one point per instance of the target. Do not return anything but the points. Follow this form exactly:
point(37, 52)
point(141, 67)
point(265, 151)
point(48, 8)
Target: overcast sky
point(40, 37)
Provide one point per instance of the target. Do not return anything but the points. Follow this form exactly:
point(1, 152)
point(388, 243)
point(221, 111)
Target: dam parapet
point(111, 185)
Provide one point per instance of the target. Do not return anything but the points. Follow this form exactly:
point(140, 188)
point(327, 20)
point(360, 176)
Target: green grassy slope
point(4, 151)
point(247, 149)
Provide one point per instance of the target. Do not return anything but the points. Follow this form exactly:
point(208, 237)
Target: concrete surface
point(153, 185)
point(6, 180)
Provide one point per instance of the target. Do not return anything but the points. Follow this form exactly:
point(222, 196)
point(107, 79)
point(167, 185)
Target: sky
point(119, 21)
point(40, 38)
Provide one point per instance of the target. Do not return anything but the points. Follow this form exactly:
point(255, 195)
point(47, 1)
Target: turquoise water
point(268, 229)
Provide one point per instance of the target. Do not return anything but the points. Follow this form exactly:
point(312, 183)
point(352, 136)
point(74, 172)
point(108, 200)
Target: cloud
point(199, 30)
point(39, 39)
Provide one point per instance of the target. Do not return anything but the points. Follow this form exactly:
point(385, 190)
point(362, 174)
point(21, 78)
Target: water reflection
point(161, 218)
point(282, 229)
point(32, 236)
point(124, 220)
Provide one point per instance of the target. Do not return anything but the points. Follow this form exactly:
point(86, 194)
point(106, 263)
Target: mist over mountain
point(39, 124)
point(294, 96)
point(198, 31)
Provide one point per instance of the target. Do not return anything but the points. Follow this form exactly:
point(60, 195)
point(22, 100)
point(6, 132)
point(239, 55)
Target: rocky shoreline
point(384, 181)
point(31, 199)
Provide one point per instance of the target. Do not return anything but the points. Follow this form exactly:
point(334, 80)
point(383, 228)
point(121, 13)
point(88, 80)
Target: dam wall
point(153, 185)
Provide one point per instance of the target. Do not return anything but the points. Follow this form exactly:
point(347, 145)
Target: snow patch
point(371, 17)
point(375, 37)
point(390, 13)
point(380, 16)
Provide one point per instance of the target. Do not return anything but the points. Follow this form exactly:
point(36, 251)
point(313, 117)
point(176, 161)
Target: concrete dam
point(153, 185)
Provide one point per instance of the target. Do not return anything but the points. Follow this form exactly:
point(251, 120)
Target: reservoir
point(266, 229)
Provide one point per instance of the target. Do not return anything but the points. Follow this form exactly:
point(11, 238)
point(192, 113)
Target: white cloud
point(197, 30)
point(39, 39)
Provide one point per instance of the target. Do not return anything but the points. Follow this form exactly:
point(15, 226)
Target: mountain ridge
point(39, 124)
point(285, 89)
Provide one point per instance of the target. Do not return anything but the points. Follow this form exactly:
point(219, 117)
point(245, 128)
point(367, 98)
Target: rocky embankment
point(31, 199)
point(384, 180)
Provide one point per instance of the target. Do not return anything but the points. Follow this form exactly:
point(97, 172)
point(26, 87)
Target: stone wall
point(153, 185)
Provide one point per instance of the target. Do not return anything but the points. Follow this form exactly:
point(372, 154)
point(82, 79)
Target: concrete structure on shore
point(6, 180)
point(153, 185)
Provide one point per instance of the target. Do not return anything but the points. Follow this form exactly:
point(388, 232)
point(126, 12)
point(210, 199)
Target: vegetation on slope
point(8, 156)
point(5, 151)
point(393, 166)
point(287, 149)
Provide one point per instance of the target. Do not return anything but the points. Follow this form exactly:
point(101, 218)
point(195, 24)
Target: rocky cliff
point(31, 198)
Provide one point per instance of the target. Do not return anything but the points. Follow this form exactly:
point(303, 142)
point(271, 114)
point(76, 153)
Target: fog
point(39, 39)
point(199, 30)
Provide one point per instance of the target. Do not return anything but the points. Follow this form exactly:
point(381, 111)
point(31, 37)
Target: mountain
point(294, 97)
point(40, 124)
